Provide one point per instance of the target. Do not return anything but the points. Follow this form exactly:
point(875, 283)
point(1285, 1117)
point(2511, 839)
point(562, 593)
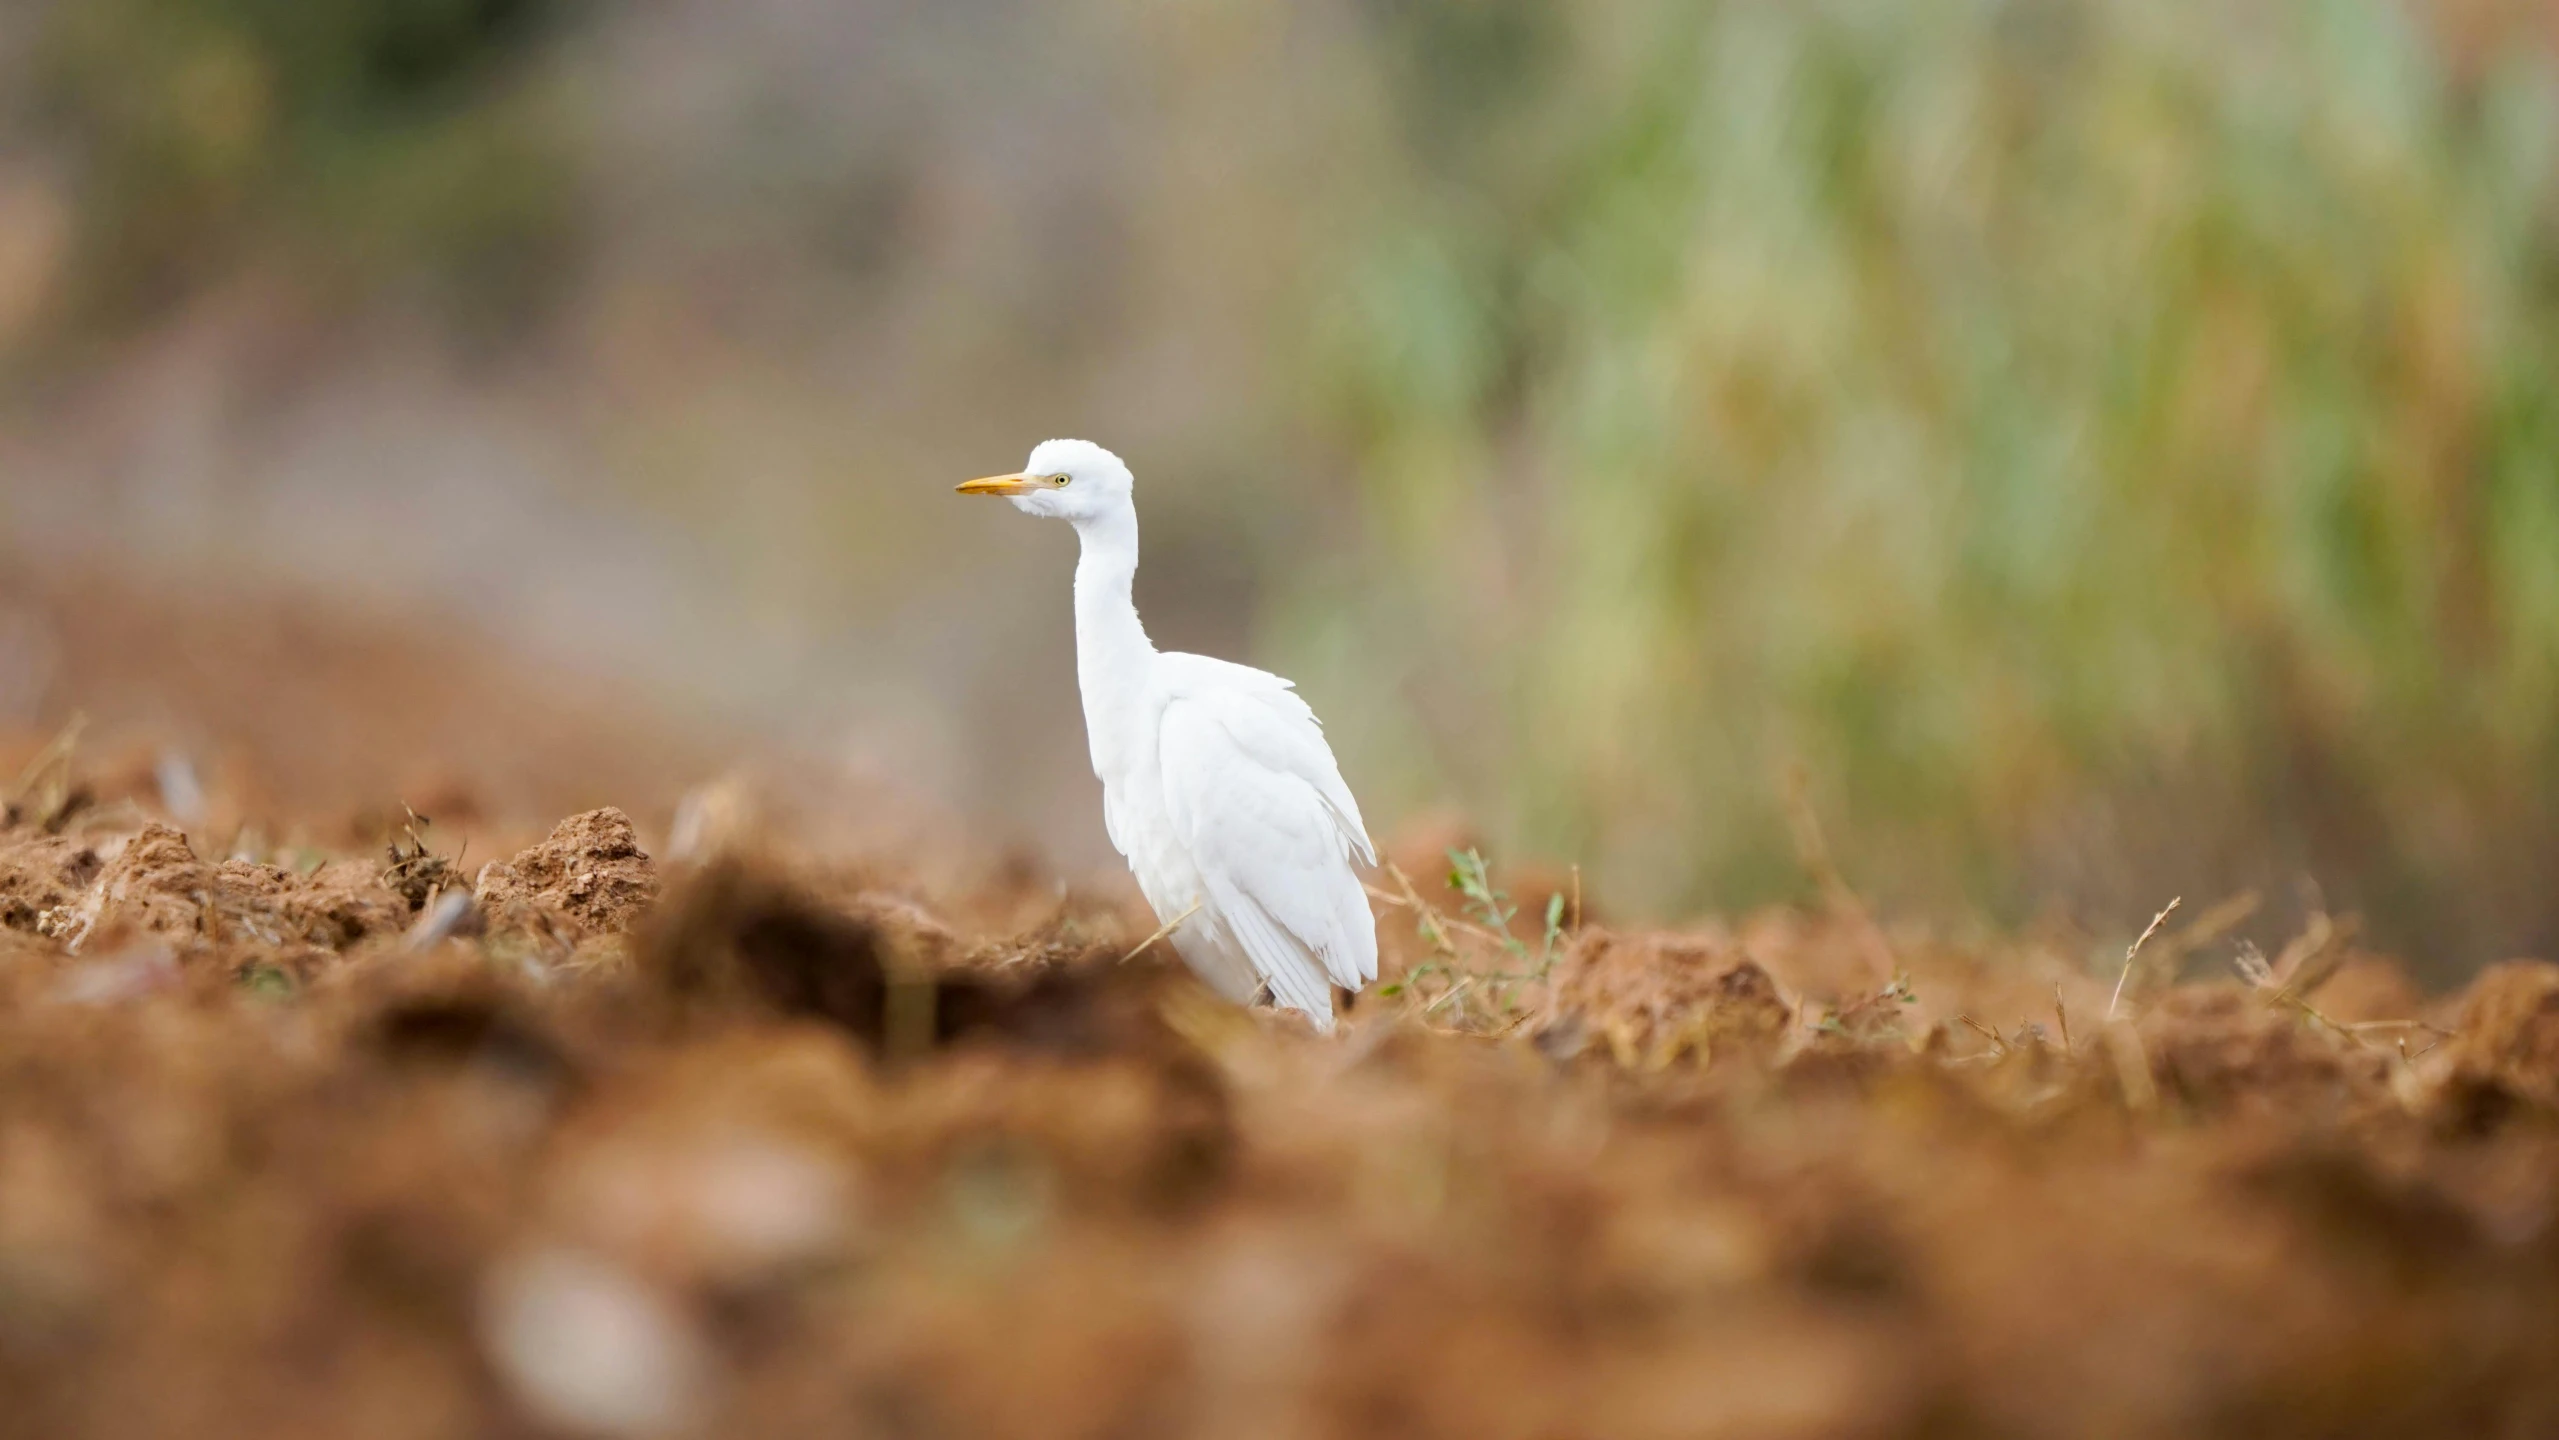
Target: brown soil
point(590, 877)
point(297, 714)
point(764, 1141)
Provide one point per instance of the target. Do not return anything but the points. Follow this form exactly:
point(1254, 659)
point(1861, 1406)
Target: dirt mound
point(2369, 989)
point(739, 940)
point(42, 878)
point(2502, 1059)
point(2221, 1045)
point(152, 884)
point(2510, 1027)
point(1653, 999)
point(589, 878)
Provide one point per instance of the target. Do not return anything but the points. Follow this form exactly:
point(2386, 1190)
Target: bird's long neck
point(1112, 653)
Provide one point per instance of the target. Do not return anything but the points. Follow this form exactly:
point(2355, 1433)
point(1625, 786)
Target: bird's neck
point(1111, 649)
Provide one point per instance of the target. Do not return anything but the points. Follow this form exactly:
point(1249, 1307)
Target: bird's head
point(1063, 479)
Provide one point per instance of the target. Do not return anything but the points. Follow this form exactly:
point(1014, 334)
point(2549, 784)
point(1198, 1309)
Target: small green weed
point(1450, 978)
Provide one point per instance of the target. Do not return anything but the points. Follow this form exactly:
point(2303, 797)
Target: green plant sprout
point(1488, 918)
point(1471, 876)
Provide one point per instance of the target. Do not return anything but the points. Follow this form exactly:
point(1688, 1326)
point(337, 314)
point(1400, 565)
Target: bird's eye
point(1060, 479)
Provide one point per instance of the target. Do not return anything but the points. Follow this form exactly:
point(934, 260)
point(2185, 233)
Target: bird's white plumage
point(1217, 784)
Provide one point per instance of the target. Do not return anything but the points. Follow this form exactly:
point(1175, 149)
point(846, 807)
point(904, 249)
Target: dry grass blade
point(1812, 851)
point(1432, 924)
point(2132, 1067)
point(1987, 1033)
point(2251, 964)
point(2358, 1027)
point(2310, 957)
point(1450, 995)
point(44, 794)
point(2211, 925)
point(2134, 953)
point(2308, 960)
point(1167, 928)
point(443, 917)
point(1437, 925)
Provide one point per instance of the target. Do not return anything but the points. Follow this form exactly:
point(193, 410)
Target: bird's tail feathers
point(1297, 979)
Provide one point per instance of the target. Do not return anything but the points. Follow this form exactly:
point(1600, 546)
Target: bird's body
point(1217, 785)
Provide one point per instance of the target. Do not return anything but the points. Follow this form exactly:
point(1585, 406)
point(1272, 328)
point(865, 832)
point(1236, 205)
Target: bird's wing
point(1255, 796)
point(1280, 730)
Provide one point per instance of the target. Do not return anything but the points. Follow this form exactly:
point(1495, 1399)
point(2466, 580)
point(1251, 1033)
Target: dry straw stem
point(1986, 1032)
point(47, 776)
point(2132, 1067)
point(2135, 952)
point(2310, 957)
point(2306, 962)
point(2165, 955)
point(1450, 995)
point(1812, 851)
point(1167, 928)
point(1428, 919)
point(1436, 923)
point(2211, 925)
point(2267, 980)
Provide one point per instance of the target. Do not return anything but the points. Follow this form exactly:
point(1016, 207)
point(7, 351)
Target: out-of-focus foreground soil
point(699, 1125)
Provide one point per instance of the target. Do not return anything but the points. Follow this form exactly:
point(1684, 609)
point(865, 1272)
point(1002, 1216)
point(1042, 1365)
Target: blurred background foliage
point(388, 141)
point(2079, 434)
point(2104, 448)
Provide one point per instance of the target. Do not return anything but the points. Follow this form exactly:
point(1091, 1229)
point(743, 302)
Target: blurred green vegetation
point(358, 143)
point(2118, 433)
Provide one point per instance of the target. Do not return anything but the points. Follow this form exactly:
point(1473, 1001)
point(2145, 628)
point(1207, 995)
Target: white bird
point(1216, 782)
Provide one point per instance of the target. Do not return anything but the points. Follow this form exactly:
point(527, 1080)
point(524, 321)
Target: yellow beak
point(1014, 484)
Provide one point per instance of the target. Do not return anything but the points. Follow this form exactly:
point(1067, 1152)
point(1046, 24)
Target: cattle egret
point(1216, 782)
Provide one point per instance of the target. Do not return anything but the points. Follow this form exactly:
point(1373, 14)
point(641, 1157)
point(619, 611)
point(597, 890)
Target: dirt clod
point(41, 875)
point(736, 939)
point(2503, 1057)
point(591, 874)
point(1663, 996)
point(152, 883)
point(2217, 1046)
